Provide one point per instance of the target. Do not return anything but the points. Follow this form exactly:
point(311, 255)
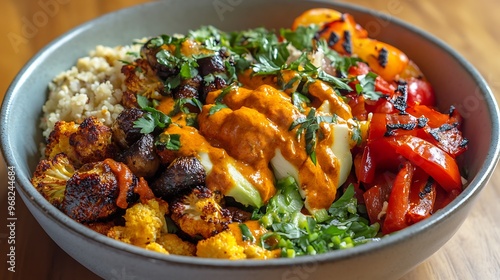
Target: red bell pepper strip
point(437, 163)
point(399, 200)
point(364, 166)
point(376, 195)
point(422, 197)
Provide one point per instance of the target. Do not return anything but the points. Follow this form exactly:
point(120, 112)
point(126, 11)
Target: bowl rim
point(60, 218)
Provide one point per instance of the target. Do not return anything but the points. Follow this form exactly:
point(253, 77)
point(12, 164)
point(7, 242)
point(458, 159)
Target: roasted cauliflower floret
point(58, 141)
point(88, 142)
point(50, 178)
point(175, 245)
point(92, 141)
point(145, 227)
point(141, 79)
point(200, 214)
point(221, 246)
point(93, 192)
point(144, 223)
point(232, 244)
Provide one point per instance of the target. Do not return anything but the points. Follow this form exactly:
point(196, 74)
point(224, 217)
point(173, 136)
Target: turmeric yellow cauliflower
point(89, 141)
point(145, 227)
point(220, 246)
point(231, 245)
point(58, 140)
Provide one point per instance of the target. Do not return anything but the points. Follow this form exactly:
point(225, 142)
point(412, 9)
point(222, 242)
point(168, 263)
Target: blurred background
point(470, 27)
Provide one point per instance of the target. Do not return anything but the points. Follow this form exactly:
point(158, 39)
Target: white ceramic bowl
point(455, 80)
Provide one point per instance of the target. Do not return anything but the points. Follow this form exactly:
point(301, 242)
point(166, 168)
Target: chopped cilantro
point(366, 86)
point(152, 118)
point(309, 126)
point(246, 233)
point(216, 108)
point(169, 141)
point(300, 101)
point(302, 37)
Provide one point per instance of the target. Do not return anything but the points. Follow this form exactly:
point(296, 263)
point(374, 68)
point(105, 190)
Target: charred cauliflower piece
point(200, 214)
point(92, 141)
point(88, 142)
point(141, 79)
point(179, 178)
point(58, 141)
point(50, 178)
point(93, 190)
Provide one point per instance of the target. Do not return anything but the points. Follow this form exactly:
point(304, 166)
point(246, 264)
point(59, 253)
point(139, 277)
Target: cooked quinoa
point(93, 87)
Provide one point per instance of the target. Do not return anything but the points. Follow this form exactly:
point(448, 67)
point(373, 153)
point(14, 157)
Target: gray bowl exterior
point(456, 82)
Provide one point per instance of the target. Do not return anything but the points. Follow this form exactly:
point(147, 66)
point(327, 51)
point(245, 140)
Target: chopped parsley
point(366, 86)
point(169, 141)
point(309, 126)
point(152, 118)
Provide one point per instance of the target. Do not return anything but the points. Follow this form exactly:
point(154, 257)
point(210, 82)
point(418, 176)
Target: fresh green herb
point(125, 62)
point(172, 82)
point(216, 108)
point(211, 37)
point(246, 233)
point(366, 86)
point(340, 62)
point(305, 67)
point(302, 37)
point(356, 134)
point(181, 105)
point(134, 54)
point(152, 118)
point(310, 126)
point(192, 119)
point(189, 69)
point(232, 75)
point(265, 66)
point(171, 226)
point(337, 82)
point(169, 141)
point(224, 92)
point(300, 101)
point(166, 58)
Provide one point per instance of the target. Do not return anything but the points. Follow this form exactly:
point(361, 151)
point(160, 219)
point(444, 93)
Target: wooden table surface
point(470, 27)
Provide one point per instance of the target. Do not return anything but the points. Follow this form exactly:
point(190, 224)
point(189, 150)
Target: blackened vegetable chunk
point(91, 193)
point(211, 64)
point(124, 132)
point(141, 157)
point(180, 177)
